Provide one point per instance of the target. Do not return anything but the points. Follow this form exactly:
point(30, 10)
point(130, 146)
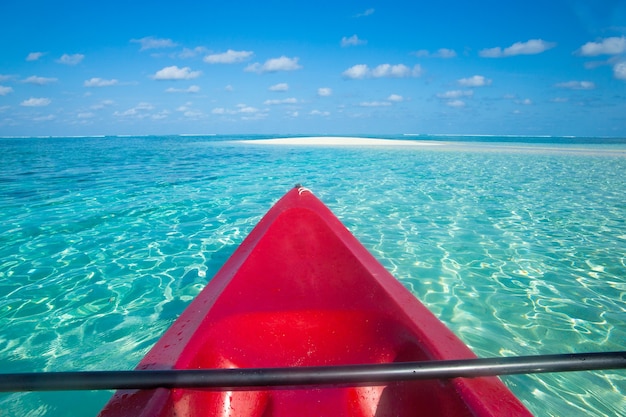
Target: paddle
point(375, 374)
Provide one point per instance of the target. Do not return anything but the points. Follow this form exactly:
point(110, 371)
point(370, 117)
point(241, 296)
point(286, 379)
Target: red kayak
point(301, 291)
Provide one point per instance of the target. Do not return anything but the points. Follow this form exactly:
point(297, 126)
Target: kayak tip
point(302, 189)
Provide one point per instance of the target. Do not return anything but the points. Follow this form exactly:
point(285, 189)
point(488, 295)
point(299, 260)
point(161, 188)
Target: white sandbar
point(345, 141)
point(339, 141)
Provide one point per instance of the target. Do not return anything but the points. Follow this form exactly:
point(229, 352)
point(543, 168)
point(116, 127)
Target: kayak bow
point(301, 291)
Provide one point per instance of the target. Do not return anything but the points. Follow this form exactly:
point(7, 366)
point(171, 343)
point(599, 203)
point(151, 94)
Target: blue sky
point(530, 67)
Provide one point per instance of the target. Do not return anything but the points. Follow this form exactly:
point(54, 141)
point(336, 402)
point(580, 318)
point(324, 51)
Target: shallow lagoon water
point(519, 246)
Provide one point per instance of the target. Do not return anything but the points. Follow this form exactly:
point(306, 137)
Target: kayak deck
point(302, 291)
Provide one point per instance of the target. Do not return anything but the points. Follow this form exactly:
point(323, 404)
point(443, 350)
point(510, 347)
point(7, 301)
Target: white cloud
point(85, 115)
point(228, 57)
point(395, 98)
point(44, 118)
point(474, 81)
point(608, 46)
point(246, 112)
point(229, 88)
point(531, 47)
point(193, 114)
point(397, 71)
point(275, 64)
point(102, 104)
point(454, 94)
point(159, 116)
point(619, 70)
point(190, 53)
point(324, 91)
point(150, 42)
point(33, 79)
point(219, 110)
point(361, 71)
point(5, 77)
point(243, 108)
point(5, 90)
point(129, 112)
point(74, 59)
point(352, 41)
point(357, 72)
point(189, 112)
point(99, 82)
point(456, 103)
point(444, 53)
point(374, 104)
point(577, 85)
point(279, 87)
point(34, 56)
point(290, 100)
point(367, 12)
point(36, 102)
point(175, 73)
point(453, 97)
point(491, 52)
point(386, 70)
point(142, 110)
point(191, 89)
point(441, 53)
point(319, 113)
point(144, 106)
point(247, 109)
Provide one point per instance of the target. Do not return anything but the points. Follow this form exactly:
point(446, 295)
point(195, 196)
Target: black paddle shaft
point(248, 378)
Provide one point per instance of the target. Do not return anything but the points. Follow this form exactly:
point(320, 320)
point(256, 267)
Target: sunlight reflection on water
point(519, 249)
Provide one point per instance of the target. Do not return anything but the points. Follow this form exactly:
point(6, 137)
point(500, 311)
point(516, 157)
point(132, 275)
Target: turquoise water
point(517, 244)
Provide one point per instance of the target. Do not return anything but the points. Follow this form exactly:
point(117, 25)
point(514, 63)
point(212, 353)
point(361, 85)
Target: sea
point(518, 244)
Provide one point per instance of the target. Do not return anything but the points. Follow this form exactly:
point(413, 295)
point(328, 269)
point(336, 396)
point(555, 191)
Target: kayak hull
point(302, 291)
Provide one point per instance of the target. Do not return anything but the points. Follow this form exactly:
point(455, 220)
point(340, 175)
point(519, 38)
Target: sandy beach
point(353, 141)
point(340, 141)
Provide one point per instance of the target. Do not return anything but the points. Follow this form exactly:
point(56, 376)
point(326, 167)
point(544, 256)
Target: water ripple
point(104, 242)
